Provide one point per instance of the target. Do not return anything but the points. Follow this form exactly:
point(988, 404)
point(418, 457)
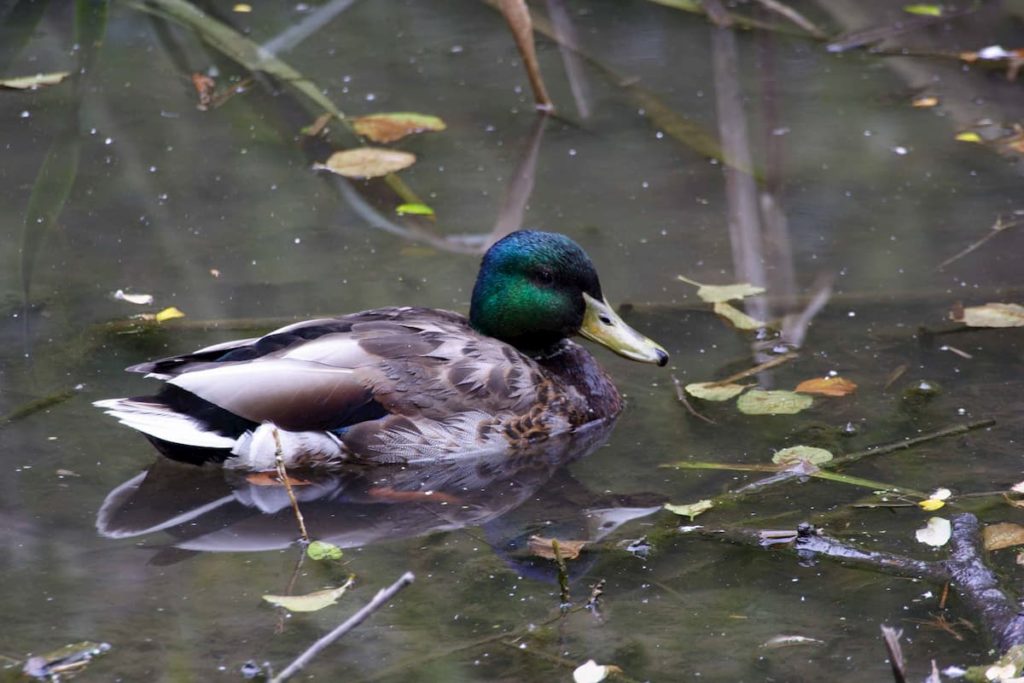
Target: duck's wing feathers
point(330, 374)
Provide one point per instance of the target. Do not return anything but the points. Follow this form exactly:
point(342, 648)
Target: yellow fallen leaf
point(367, 162)
point(717, 293)
point(989, 315)
point(826, 386)
point(34, 82)
point(924, 102)
point(968, 136)
point(311, 602)
point(1003, 535)
point(242, 8)
point(169, 313)
point(690, 510)
point(711, 391)
point(543, 547)
point(931, 504)
point(738, 318)
point(924, 10)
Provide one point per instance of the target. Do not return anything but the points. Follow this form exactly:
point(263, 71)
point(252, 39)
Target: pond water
point(115, 180)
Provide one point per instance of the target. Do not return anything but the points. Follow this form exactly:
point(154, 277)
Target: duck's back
point(395, 384)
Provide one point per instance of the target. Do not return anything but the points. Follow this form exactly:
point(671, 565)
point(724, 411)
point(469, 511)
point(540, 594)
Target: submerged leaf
point(789, 641)
point(138, 299)
point(936, 533)
point(738, 318)
point(760, 402)
point(322, 550)
point(544, 547)
point(721, 293)
point(794, 454)
point(1003, 535)
point(990, 315)
point(367, 162)
point(395, 126)
point(691, 510)
point(826, 386)
point(712, 391)
point(65, 660)
point(311, 602)
point(34, 82)
point(924, 102)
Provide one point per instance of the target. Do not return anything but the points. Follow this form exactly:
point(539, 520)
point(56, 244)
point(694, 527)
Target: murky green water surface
point(219, 214)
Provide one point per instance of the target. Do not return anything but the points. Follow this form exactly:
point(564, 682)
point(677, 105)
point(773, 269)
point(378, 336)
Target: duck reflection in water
point(212, 509)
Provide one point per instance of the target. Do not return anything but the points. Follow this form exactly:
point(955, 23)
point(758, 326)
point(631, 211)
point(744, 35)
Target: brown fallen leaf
point(395, 126)
point(925, 101)
point(826, 386)
point(542, 547)
point(1003, 535)
point(317, 127)
point(204, 86)
point(366, 162)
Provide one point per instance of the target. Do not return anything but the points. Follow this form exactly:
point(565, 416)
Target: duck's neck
point(573, 365)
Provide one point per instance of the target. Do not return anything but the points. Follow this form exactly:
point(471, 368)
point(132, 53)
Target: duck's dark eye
point(545, 277)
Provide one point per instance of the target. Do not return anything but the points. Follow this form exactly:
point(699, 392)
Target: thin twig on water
point(282, 474)
point(998, 227)
point(767, 365)
point(681, 395)
point(382, 597)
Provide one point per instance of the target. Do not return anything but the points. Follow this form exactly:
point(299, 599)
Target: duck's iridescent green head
point(537, 288)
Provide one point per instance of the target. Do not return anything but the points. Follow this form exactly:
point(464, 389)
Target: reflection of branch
point(565, 33)
point(975, 582)
point(520, 187)
point(359, 617)
point(296, 33)
point(996, 228)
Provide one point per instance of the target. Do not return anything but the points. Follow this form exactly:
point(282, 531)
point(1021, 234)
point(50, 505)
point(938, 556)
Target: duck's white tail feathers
point(161, 422)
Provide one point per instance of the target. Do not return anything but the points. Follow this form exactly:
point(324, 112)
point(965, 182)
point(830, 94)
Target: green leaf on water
point(924, 10)
point(311, 602)
point(810, 454)
point(760, 402)
point(691, 510)
point(712, 391)
point(414, 210)
point(322, 550)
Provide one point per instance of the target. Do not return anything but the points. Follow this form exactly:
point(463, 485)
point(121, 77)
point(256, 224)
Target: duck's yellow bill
point(603, 325)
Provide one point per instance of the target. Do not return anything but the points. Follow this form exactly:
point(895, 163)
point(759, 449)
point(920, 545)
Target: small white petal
point(590, 672)
point(941, 494)
point(936, 533)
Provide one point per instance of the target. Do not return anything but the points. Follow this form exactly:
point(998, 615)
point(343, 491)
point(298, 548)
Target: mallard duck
point(396, 385)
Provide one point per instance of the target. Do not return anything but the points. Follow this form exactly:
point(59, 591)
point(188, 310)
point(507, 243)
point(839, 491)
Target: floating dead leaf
point(826, 386)
point(1003, 535)
point(395, 125)
point(311, 602)
point(138, 299)
point(592, 672)
point(169, 313)
point(935, 533)
point(242, 8)
point(34, 82)
point(322, 550)
point(543, 547)
point(989, 315)
point(790, 641)
point(366, 162)
point(710, 391)
point(968, 136)
point(760, 402)
point(690, 510)
point(924, 10)
point(204, 86)
point(794, 454)
point(720, 293)
point(414, 210)
point(739, 319)
point(925, 102)
point(931, 504)
point(67, 473)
